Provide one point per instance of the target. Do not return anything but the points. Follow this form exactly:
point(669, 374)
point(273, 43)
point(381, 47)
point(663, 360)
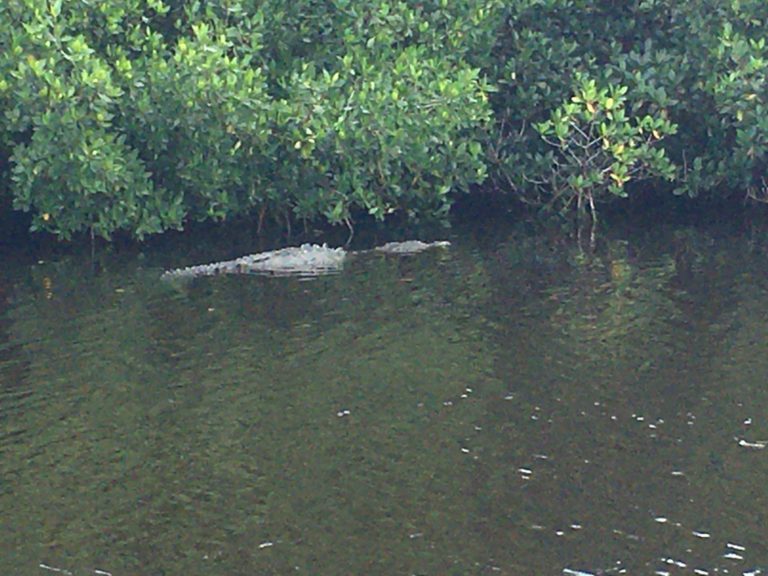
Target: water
point(522, 403)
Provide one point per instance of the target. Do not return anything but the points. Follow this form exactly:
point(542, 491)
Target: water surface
point(521, 403)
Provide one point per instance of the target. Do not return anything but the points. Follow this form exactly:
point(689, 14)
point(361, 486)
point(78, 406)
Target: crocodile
point(307, 260)
point(410, 247)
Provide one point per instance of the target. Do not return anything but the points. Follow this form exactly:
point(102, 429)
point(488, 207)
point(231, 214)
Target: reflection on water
point(514, 405)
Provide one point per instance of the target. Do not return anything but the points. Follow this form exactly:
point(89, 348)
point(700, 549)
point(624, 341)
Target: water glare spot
point(758, 445)
point(673, 562)
point(571, 572)
point(53, 569)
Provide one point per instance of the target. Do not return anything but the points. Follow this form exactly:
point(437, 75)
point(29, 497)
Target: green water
point(521, 403)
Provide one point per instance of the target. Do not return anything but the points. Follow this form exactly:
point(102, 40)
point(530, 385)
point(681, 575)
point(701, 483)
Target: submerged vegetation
point(143, 115)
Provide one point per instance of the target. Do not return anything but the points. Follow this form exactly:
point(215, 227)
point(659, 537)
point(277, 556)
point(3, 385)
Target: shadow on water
point(519, 404)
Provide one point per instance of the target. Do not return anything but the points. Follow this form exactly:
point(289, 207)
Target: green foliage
point(142, 115)
point(70, 167)
point(202, 119)
point(599, 148)
point(700, 64)
point(735, 84)
point(384, 135)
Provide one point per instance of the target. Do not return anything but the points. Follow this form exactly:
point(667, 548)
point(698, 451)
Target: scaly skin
point(304, 260)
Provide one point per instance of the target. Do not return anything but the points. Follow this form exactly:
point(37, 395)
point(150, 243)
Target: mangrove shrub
point(143, 115)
